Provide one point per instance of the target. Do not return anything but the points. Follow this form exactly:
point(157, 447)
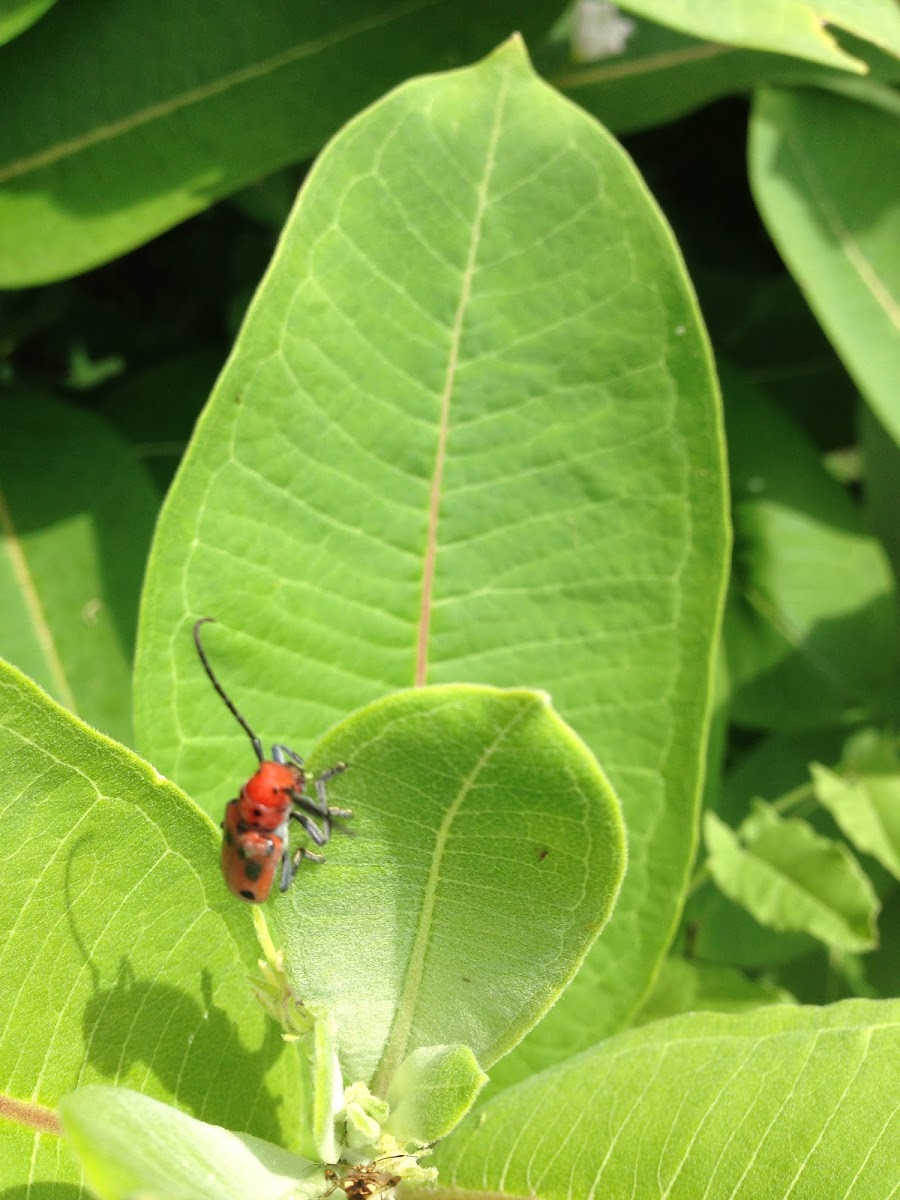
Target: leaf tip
point(512, 53)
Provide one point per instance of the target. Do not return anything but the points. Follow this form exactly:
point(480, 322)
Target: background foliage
point(501, 252)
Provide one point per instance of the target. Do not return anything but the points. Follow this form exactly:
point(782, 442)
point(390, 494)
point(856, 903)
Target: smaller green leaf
point(128, 1144)
point(790, 878)
point(866, 802)
point(488, 856)
point(433, 1089)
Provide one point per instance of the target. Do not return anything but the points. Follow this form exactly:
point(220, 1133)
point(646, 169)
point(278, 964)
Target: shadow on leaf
point(194, 1051)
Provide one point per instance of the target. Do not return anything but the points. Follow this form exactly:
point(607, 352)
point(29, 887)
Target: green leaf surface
point(810, 629)
point(865, 798)
point(488, 854)
point(123, 959)
point(724, 933)
point(664, 74)
point(17, 15)
point(786, 1101)
point(774, 766)
point(98, 154)
point(786, 26)
point(130, 1145)
point(761, 323)
point(432, 1091)
point(822, 168)
point(77, 510)
point(156, 408)
point(883, 966)
point(683, 986)
point(881, 454)
point(468, 433)
point(791, 878)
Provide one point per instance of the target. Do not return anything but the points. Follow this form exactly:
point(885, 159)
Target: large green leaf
point(468, 432)
point(785, 26)
point(122, 958)
point(823, 169)
point(101, 147)
point(810, 632)
point(488, 857)
point(787, 1102)
point(76, 516)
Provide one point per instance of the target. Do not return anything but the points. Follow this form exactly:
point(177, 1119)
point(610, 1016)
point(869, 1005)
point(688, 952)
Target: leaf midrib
point(396, 1045)
point(437, 478)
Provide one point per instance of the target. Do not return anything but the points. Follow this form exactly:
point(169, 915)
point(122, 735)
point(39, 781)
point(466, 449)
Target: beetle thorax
point(267, 796)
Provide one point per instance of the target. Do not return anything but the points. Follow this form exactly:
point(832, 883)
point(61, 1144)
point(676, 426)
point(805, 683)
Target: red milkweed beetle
point(255, 837)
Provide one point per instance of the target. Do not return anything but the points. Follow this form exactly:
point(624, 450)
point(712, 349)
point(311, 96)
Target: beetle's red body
point(255, 829)
point(266, 798)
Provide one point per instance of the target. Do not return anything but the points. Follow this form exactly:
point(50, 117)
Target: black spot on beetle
point(249, 895)
point(253, 869)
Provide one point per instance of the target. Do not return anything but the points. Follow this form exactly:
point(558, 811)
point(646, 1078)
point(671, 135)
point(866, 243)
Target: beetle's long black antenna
point(254, 740)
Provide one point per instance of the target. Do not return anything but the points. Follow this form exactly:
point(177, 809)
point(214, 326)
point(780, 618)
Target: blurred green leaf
point(17, 15)
point(822, 169)
point(664, 74)
point(122, 958)
point(468, 432)
point(130, 1145)
point(721, 932)
point(762, 324)
point(488, 854)
point(683, 986)
point(156, 408)
point(882, 458)
point(785, 1101)
point(76, 516)
point(883, 965)
point(791, 878)
point(99, 151)
point(774, 766)
point(865, 799)
point(786, 26)
point(810, 629)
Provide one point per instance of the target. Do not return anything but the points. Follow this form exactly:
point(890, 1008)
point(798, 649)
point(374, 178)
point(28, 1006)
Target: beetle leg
point(319, 836)
point(320, 781)
point(281, 754)
point(290, 864)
